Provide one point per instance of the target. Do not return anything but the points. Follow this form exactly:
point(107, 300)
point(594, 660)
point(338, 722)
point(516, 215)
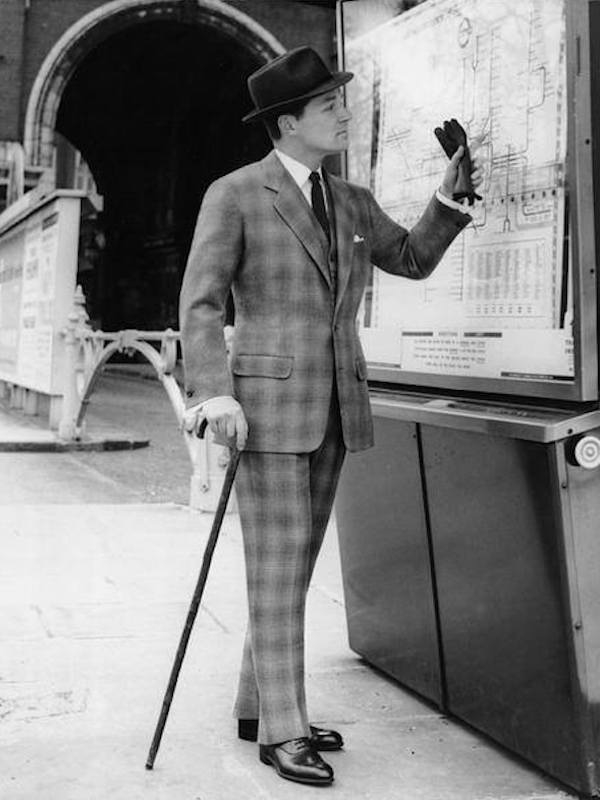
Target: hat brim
point(338, 79)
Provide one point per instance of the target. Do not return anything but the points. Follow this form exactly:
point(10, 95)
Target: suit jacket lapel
point(293, 209)
point(344, 230)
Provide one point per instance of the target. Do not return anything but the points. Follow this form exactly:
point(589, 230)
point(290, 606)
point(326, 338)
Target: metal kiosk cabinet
point(470, 533)
point(471, 556)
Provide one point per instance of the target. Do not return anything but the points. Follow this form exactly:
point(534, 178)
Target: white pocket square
point(357, 239)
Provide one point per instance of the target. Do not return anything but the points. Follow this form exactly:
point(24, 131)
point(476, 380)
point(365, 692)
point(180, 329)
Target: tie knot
point(315, 178)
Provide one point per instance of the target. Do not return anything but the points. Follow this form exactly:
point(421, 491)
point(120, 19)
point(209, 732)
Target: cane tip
point(149, 765)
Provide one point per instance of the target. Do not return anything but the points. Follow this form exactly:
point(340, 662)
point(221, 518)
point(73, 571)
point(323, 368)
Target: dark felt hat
point(296, 75)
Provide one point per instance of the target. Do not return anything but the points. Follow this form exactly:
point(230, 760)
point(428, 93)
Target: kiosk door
point(386, 562)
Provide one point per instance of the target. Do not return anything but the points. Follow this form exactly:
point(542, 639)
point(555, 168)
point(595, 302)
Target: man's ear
point(287, 123)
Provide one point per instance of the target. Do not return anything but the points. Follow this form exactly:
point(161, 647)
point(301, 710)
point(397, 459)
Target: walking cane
point(197, 597)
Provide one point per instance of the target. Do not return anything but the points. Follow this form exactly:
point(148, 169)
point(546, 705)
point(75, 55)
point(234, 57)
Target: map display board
point(38, 265)
point(500, 304)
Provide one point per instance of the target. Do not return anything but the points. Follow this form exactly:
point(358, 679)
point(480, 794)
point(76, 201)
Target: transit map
point(499, 304)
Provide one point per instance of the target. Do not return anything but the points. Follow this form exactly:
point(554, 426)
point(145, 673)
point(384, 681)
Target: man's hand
point(225, 419)
point(451, 176)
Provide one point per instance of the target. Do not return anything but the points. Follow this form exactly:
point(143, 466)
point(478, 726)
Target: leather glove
point(225, 419)
point(451, 137)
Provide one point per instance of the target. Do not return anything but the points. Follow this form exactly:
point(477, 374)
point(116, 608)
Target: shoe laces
point(293, 746)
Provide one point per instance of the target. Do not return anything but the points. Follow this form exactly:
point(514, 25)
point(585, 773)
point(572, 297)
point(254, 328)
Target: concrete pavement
point(93, 596)
point(21, 433)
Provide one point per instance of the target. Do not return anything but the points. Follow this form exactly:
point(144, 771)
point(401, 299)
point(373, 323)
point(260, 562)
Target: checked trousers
point(285, 501)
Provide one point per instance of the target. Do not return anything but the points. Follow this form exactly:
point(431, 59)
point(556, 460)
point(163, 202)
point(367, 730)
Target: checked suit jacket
point(295, 325)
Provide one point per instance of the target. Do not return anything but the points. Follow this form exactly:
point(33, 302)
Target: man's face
point(323, 127)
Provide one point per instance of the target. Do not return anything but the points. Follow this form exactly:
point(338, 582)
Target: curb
point(62, 446)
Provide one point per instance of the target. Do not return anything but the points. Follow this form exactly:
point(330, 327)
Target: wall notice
point(499, 304)
point(38, 264)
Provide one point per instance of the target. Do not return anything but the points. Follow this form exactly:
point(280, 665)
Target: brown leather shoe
point(320, 738)
point(296, 760)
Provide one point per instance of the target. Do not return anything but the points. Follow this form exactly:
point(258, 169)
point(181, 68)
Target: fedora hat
point(296, 75)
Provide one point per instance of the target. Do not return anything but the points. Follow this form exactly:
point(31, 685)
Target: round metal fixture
point(587, 452)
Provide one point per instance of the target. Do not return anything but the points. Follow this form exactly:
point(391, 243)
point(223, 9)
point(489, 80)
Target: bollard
point(210, 461)
point(16, 396)
point(70, 401)
point(30, 404)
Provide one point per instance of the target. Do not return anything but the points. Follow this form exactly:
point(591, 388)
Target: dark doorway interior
point(155, 111)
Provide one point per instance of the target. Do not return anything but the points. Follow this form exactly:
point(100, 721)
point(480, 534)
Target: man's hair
point(295, 109)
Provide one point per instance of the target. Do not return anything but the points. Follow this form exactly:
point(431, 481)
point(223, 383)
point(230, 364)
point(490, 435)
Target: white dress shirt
point(300, 174)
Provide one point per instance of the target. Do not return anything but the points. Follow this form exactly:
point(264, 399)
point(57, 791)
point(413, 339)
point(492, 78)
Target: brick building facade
point(139, 103)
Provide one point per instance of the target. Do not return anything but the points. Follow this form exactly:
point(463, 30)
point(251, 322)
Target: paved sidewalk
point(92, 601)
point(22, 433)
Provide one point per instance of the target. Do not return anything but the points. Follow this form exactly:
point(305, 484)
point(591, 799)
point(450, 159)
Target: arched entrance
point(151, 93)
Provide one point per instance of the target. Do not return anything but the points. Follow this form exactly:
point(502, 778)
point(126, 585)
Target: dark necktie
point(318, 202)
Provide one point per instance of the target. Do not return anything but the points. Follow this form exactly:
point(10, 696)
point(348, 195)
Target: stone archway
point(152, 151)
point(68, 52)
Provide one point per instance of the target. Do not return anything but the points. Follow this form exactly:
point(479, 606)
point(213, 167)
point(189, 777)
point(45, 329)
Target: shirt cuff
point(200, 407)
point(210, 400)
point(447, 201)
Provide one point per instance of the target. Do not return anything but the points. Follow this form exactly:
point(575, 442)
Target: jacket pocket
point(260, 366)
point(361, 369)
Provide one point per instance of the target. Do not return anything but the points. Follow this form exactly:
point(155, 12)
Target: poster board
point(38, 268)
point(509, 308)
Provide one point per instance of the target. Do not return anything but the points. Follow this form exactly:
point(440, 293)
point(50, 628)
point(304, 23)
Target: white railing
point(87, 353)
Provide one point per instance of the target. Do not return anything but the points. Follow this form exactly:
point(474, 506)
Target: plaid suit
point(298, 370)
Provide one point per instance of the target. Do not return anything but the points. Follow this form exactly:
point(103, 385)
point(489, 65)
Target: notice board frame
point(582, 125)
point(59, 211)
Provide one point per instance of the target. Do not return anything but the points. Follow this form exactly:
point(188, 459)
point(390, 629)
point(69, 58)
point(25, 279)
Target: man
point(294, 244)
